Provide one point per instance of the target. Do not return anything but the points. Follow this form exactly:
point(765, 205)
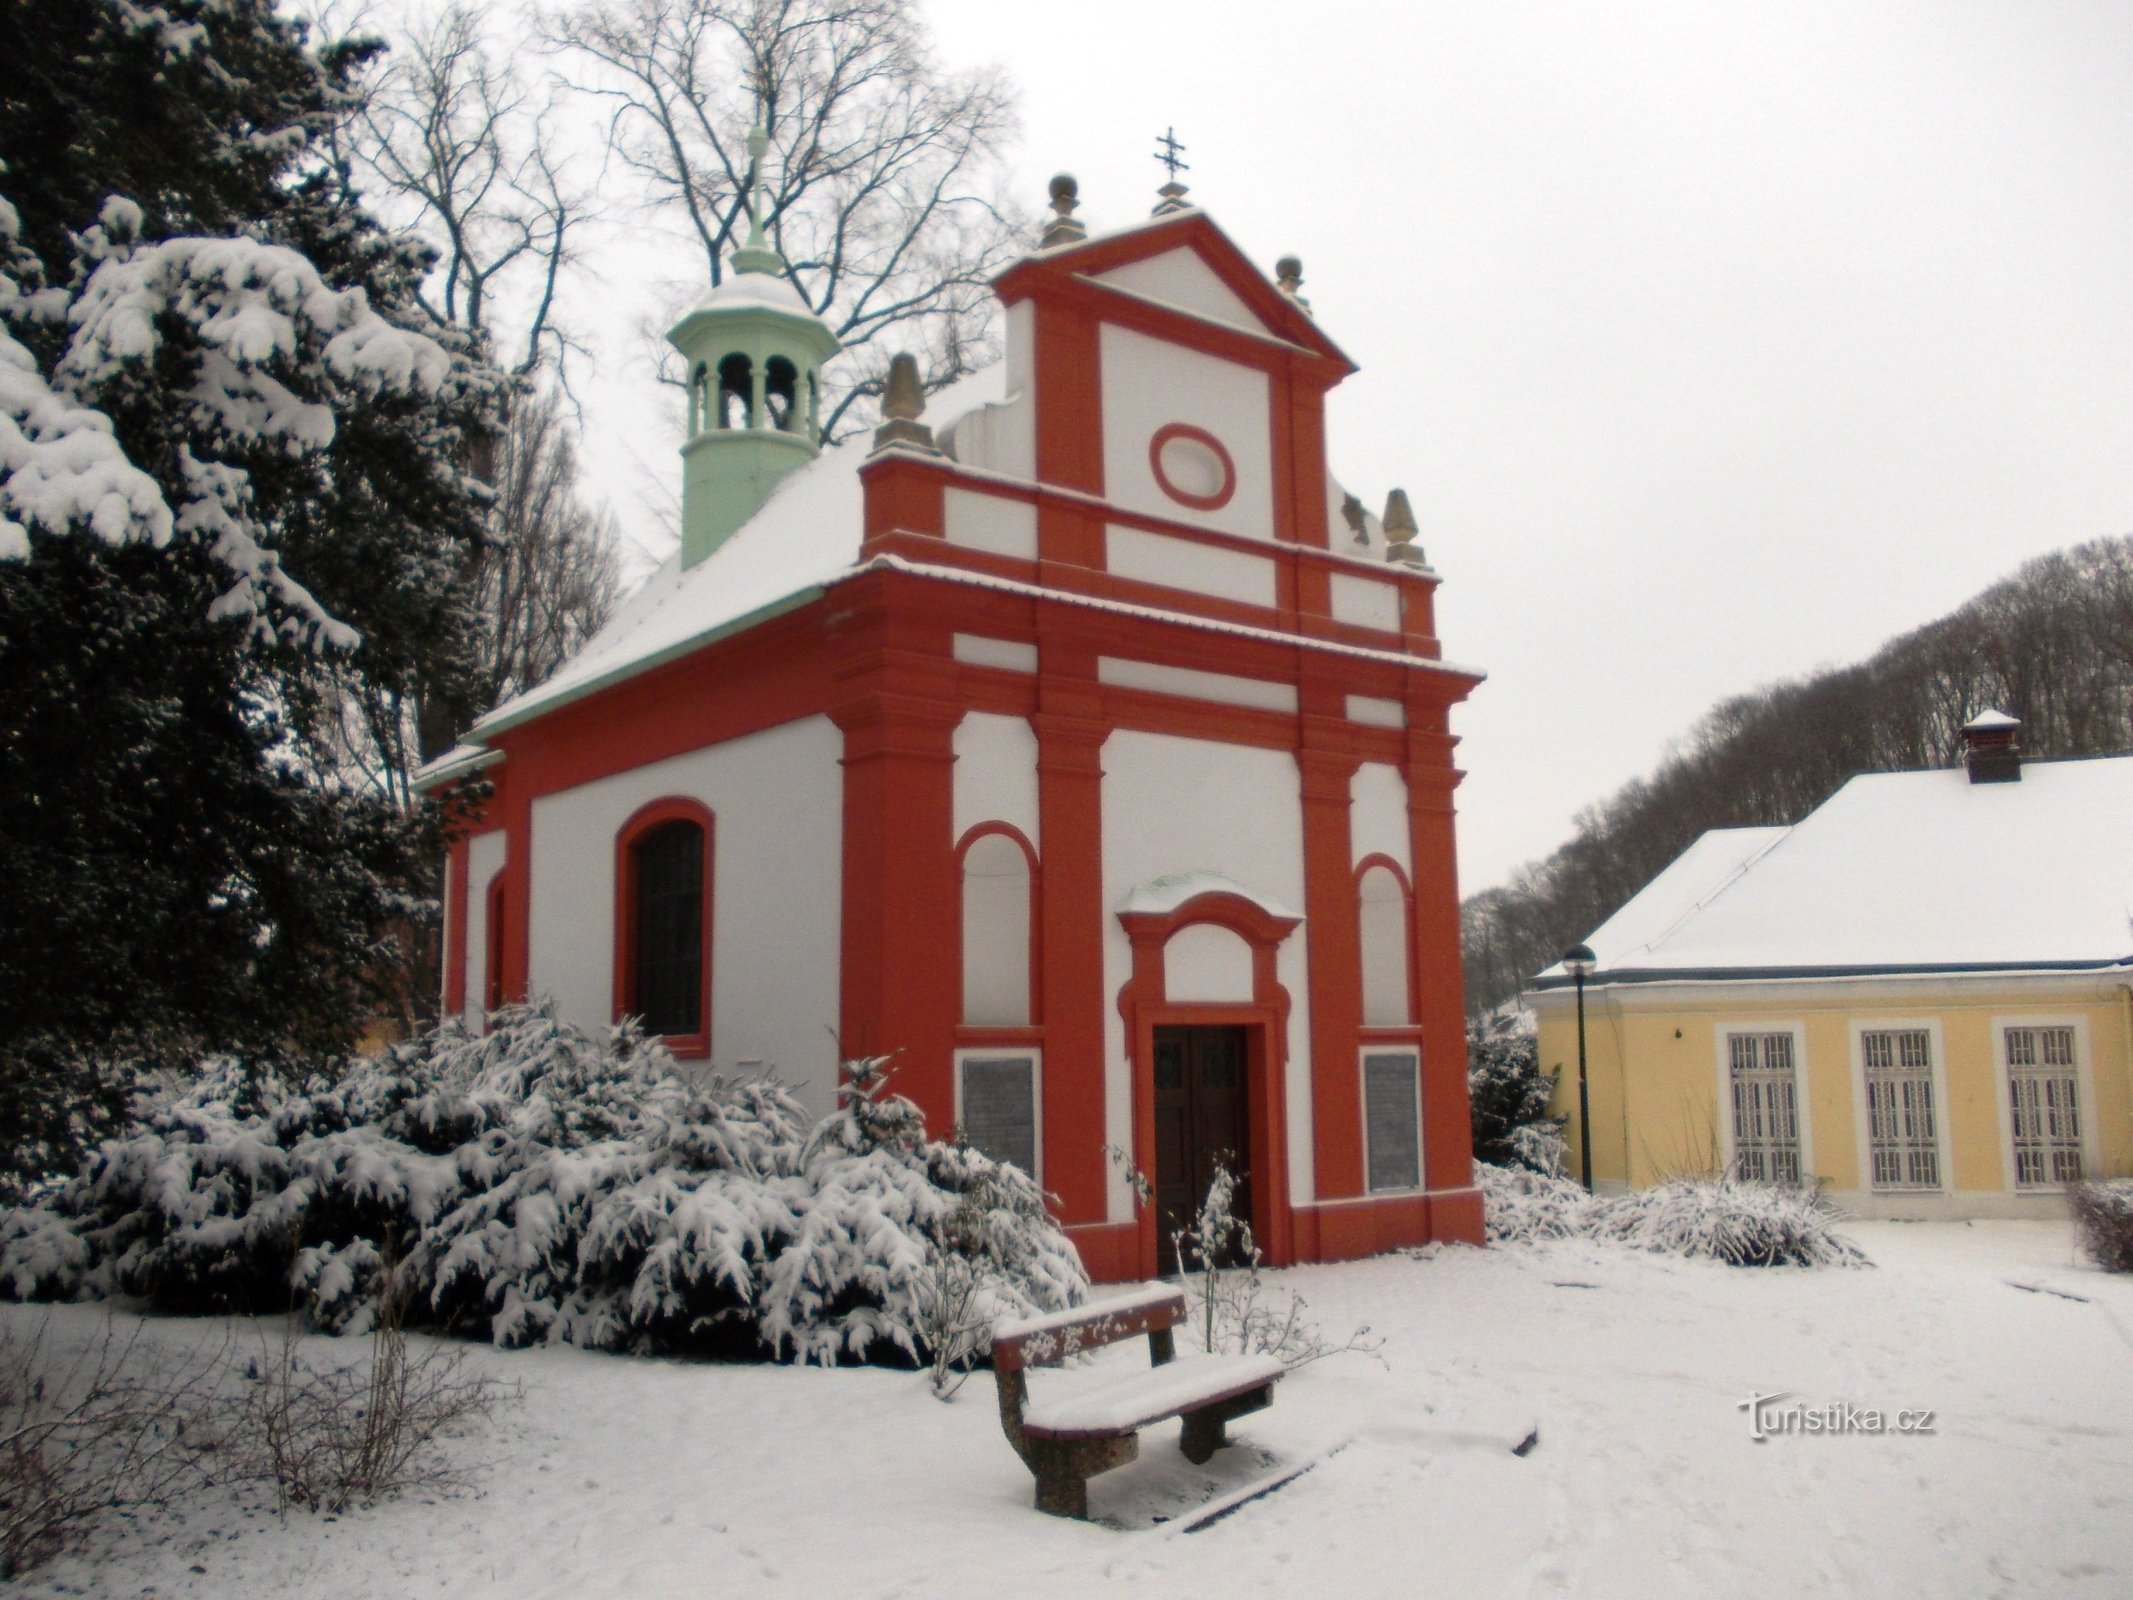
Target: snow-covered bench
point(1088, 1427)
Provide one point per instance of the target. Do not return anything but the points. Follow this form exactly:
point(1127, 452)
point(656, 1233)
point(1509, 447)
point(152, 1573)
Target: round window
point(1191, 467)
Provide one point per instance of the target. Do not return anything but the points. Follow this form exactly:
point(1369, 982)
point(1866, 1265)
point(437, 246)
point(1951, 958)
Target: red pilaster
point(1448, 1154)
point(1070, 828)
point(901, 989)
point(1335, 958)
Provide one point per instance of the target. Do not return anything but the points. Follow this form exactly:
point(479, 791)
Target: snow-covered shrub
point(1726, 1219)
point(540, 1184)
point(2103, 1216)
point(1718, 1219)
point(1508, 1094)
point(1519, 1205)
point(882, 1201)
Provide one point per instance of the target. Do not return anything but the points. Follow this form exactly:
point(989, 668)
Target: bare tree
point(458, 135)
point(881, 176)
point(553, 582)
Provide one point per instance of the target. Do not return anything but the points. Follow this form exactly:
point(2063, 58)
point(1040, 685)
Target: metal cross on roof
point(1171, 154)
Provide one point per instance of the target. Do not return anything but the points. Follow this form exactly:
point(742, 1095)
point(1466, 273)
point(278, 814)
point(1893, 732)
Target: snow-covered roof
point(1898, 872)
point(1991, 721)
point(757, 289)
point(805, 538)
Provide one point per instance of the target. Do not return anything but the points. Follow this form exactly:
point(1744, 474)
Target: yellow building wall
point(1662, 1117)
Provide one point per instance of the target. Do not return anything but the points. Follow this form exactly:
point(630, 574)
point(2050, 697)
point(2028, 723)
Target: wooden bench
point(1091, 1428)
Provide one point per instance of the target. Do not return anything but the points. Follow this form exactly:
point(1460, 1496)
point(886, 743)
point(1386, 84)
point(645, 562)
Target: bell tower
point(754, 351)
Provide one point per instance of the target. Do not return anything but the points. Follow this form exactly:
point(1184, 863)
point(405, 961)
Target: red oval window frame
point(1198, 502)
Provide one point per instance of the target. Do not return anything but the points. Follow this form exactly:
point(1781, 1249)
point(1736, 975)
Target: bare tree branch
point(882, 182)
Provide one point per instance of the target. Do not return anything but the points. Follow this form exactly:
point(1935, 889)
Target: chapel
point(1074, 738)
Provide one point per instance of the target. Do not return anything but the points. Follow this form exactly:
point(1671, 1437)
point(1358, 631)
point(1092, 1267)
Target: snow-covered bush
point(1508, 1094)
point(1520, 1205)
point(1719, 1219)
point(541, 1185)
point(2103, 1216)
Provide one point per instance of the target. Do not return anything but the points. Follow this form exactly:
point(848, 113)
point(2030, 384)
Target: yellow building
point(1919, 999)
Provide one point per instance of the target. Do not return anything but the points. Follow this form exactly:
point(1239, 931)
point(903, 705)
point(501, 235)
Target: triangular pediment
point(1181, 278)
point(1184, 261)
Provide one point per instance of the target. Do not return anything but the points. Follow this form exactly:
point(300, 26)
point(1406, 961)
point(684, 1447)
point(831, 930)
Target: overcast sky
point(1713, 342)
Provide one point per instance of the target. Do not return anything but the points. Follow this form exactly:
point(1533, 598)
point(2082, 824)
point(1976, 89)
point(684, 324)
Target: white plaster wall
point(996, 774)
point(1384, 939)
point(1366, 602)
point(1148, 383)
point(777, 911)
point(485, 859)
point(1377, 815)
point(1181, 564)
point(1207, 963)
point(1174, 805)
point(1180, 278)
point(1376, 713)
point(1193, 684)
point(976, 650)
point(991, 522)
point(1002, 437)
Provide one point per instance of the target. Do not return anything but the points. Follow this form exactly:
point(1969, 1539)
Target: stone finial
point(1353, 514)
point(1400, 531)
point(1063, 228)
point(1169, 198)
point(1288, 278)
point(903, 402)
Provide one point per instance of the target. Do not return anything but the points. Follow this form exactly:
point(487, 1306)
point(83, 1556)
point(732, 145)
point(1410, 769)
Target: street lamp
point(1578, 961)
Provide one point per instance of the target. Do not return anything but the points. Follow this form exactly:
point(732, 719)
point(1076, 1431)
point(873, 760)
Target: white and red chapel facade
point(1081, 743)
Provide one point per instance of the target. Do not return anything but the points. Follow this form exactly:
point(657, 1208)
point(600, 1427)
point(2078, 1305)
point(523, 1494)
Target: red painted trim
point(1170, 431)
point(694, 1045)
point(1144, 1004)
point(1006, 830)
point(1070, 739)
point(1447, 1129)
point(457, 910)
point(1060, 270)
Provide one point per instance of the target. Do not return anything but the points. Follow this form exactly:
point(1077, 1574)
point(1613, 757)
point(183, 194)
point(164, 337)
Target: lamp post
point(1578, 961)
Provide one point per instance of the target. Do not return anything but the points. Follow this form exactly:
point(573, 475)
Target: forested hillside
point(2053, 644)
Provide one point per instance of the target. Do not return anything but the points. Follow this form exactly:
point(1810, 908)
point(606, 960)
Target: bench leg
point(1204, 1435)
point(1204, 1429)
point(1061, 1491)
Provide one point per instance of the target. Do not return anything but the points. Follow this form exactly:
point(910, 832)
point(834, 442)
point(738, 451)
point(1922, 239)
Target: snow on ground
point(618, 1476)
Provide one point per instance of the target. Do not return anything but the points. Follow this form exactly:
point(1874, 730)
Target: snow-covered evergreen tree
point(230, 495)
point(1508, 1094)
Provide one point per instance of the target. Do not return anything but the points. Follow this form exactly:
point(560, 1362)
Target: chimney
point(1990, 750)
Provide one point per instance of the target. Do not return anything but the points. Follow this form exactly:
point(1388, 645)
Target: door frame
point(1145, 1005)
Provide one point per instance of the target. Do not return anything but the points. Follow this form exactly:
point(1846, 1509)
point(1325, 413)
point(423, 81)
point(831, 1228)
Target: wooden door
point(1200, 1120)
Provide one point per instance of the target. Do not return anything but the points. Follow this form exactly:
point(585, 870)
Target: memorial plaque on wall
point(1000, 1108)
point(1389, 1112)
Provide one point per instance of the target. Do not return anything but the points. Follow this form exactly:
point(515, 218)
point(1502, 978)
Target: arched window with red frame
point(1385, 912)
point(663, 872)
point(999, 873)
point(492, 978)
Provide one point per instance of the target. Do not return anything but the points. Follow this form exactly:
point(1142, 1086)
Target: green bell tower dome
point(754, 352)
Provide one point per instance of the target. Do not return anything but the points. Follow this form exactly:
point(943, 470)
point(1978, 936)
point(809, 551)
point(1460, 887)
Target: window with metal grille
point(1901, 1130)
point(2045, 1114)
point(999, 1107)
point(667, 983)
point(1392, 1118)
point(1766, 1107)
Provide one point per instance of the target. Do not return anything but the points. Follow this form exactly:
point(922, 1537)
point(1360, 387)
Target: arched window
point(492, 978)
point(663, 924)
point(736, 392)
point(1382, 894)
point(780, 381)
point(996, 931)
